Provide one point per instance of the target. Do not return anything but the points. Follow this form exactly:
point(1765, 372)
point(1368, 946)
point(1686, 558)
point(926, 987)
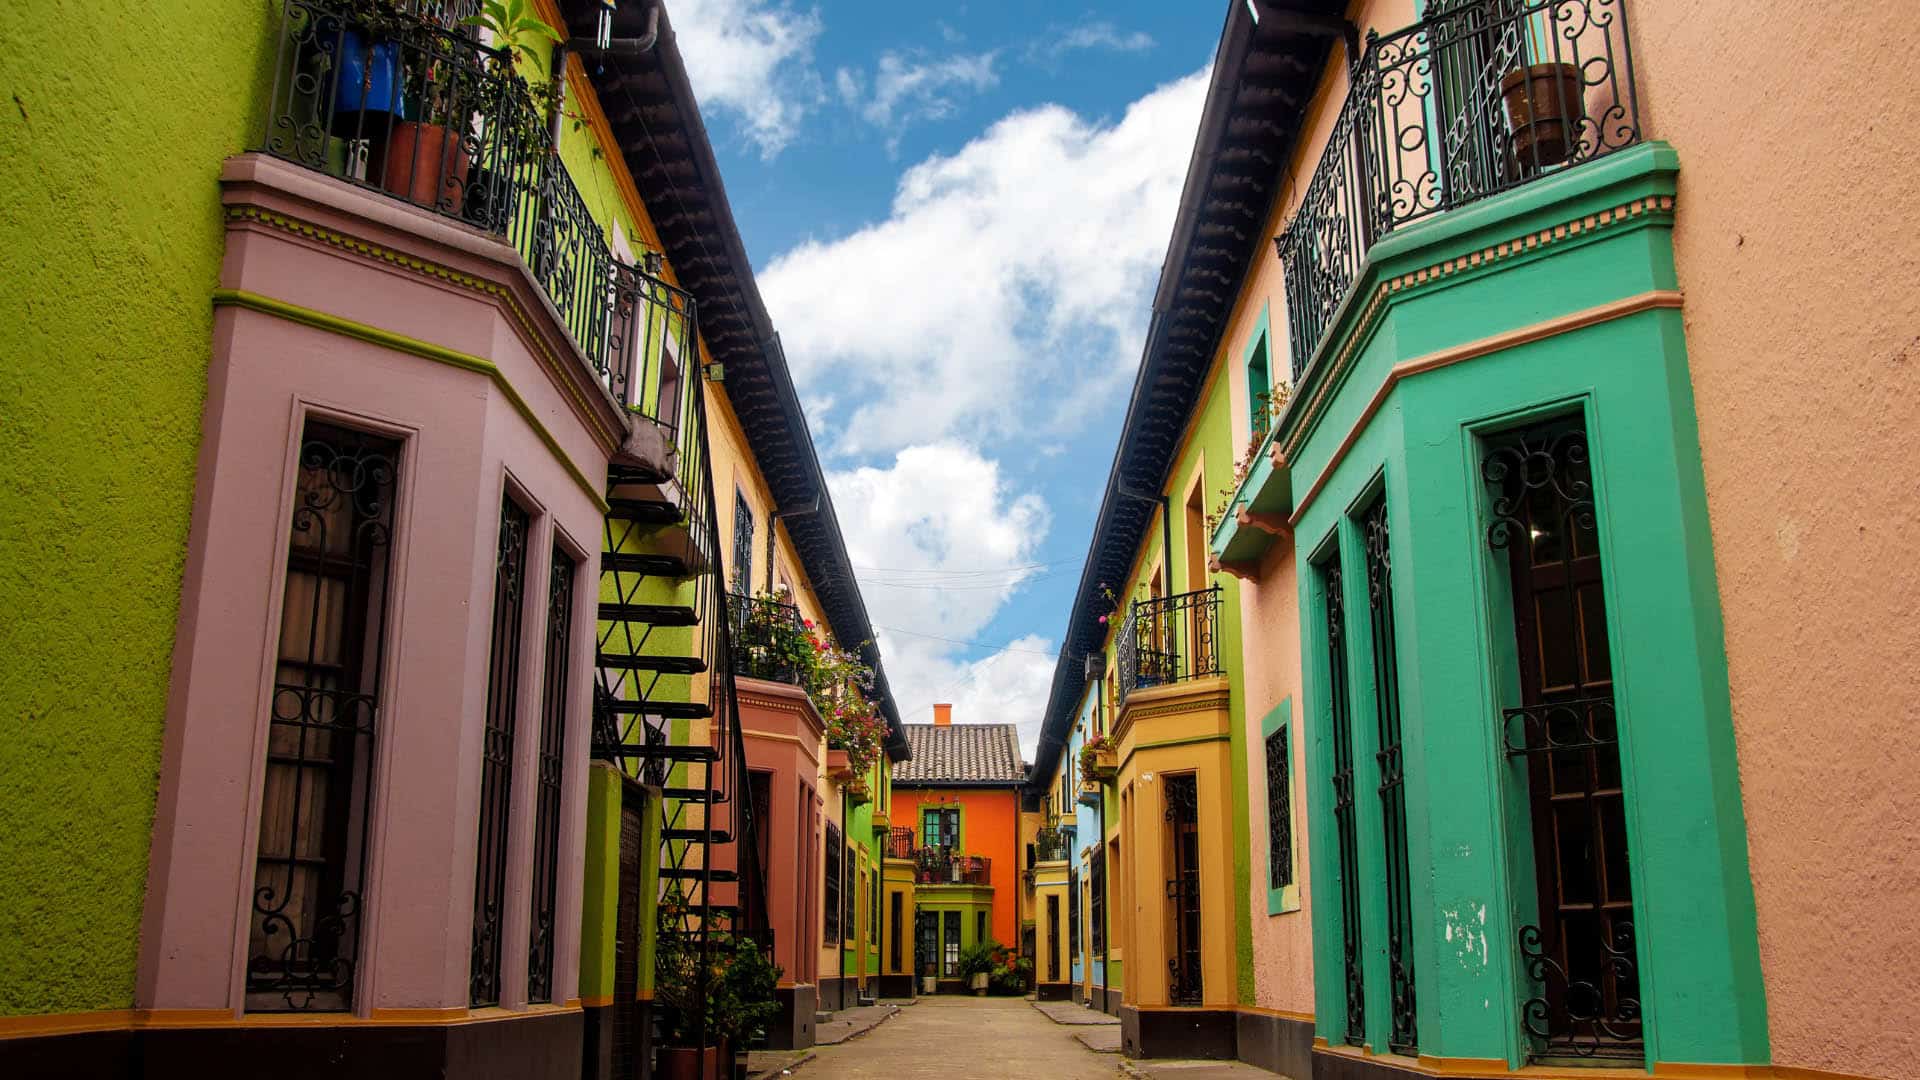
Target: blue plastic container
point(354, 91)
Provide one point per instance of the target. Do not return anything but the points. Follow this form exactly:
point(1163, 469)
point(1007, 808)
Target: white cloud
point(1096, 35)
point(752, 59)
point(940, 543)
point(1005, 290)
point(907, 88)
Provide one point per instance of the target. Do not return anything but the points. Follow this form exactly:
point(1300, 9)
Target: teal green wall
point(1698, 956)
point(115, 121)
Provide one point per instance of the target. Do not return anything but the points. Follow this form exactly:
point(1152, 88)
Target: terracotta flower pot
point(692, 1062)
point(1545, 106)
point(426, 165)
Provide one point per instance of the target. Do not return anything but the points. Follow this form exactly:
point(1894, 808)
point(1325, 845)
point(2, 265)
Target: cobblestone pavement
point(962, 1038)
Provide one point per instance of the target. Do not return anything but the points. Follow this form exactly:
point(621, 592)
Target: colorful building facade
point(1494, 353)
point(955, 815)
point(433, 698)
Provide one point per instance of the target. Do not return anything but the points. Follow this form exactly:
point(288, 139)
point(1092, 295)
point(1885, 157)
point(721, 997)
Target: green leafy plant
point(1010, 974)
point(978, 958)
point(514, 26)
point(1090, 757)
point(729, 998)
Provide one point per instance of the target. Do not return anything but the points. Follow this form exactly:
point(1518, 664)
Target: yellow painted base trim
point(597, 1001)
point(1428, 1065)
point(426, 350)
point(24, 1027)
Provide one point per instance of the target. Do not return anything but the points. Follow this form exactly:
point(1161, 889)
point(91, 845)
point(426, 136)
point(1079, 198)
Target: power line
point(970, 644)
point(954, 588)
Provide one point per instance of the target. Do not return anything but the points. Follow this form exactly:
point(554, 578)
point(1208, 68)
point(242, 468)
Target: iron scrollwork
point(308, 895)
point(1339, 699)
point(1575, 1016)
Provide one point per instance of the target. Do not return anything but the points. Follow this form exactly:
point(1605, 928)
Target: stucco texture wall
point(1795, 249)
point(115, 120)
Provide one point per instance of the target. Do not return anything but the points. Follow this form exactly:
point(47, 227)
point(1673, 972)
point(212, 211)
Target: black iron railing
point(1480, 97)
point(1052, 843)
point(765, 634)
point(1170, 639)
point(900, 842)
point(944, 866)
point(406, 101)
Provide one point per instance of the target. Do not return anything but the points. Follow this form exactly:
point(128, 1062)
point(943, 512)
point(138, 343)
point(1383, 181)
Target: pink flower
point(1103, 620)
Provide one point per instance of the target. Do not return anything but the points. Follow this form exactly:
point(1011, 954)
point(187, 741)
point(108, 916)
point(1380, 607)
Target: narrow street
point(961, 1038)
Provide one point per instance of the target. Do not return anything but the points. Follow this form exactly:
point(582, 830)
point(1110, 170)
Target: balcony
point(899, 842)
point(1170, 639)
point(767, 636)
point(944, 866)
point(1052, 844)
point(1480, 98)
point(402, 100)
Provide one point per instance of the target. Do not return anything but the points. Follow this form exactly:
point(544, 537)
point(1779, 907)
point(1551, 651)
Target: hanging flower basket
point(1099, 761)
point(838, 767)
point(858, 793)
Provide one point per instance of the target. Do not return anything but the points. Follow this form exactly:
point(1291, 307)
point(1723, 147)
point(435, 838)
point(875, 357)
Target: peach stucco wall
point(1794, 241)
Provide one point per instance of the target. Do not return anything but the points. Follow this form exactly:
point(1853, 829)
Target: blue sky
point(957, 214)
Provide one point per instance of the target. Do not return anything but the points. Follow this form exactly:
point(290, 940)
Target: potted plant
point(429, 154)
point(1099, 763)
point(707, 1011)
point(976, 965)
point(858, 793)
point(1545, 106)
point(743, 1003)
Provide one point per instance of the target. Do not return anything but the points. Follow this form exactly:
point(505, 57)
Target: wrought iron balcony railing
point(900, 842)
point(404, 100)
point(1052, 843)
point(1479, 97)
point(944, 866)
point(766, 634)
point(1170, 639)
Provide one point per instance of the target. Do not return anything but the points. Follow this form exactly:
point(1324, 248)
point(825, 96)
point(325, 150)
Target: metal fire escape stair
point(665, 705)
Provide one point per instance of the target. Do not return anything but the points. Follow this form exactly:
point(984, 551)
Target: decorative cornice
point(426, 350)
point(498, 293)
point(1436, 273)
point(1615, 309)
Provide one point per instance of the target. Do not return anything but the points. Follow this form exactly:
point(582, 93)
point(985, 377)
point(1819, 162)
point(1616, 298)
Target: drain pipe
point(616, 47)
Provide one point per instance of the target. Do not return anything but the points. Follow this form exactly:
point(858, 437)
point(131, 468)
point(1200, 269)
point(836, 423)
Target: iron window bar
point(1339, 701)
point(1403, 1036)
point(496, 759)
point(1480, 97)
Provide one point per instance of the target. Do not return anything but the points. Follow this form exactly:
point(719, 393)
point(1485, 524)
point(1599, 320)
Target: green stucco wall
point(115, 122)
point(1469, 857)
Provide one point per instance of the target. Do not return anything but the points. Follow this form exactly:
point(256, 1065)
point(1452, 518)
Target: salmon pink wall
point(1796, 254)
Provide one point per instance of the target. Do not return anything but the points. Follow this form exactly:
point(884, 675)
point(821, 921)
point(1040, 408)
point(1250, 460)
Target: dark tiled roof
point(961, 754)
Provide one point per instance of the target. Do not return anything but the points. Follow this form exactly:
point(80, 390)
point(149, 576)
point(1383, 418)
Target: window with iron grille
point(1097, 901)
point(873, 924)
point(850, 895)
point(742, 546)
point(1279, 812)
point(894, 932)
point(496, 755)
point(979, 927)
point(835, 851)
point(1073, 913)
point(309, 870)
point(1053, 938)
point(1403, 1038)
point(1346, 853)
point(553, 739)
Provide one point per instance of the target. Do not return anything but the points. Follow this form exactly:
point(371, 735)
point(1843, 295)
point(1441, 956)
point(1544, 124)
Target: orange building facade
point(955, 829)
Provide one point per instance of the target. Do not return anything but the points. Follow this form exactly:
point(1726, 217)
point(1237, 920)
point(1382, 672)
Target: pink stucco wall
point(465, 445)
point(1794, 237)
